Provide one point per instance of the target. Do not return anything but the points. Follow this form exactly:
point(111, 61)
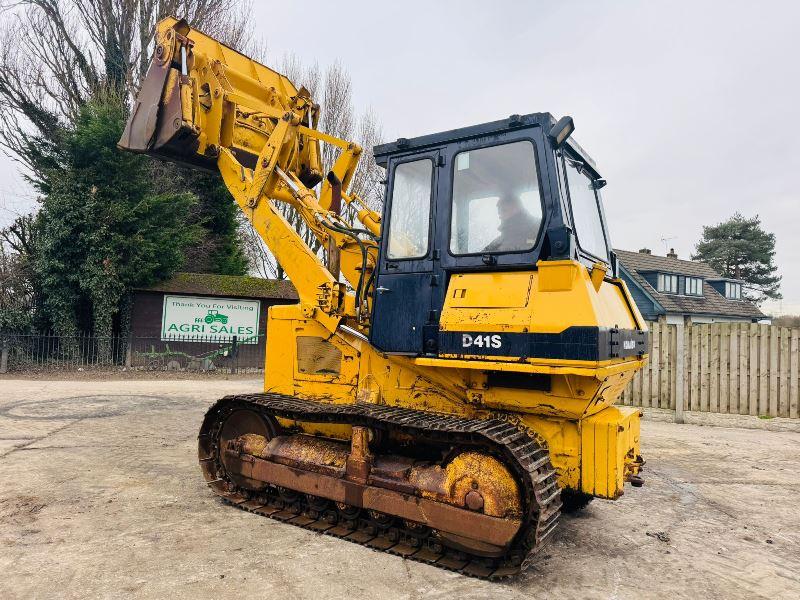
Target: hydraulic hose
point(363, 248)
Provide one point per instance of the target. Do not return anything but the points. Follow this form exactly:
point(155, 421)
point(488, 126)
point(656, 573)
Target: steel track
point(523, 455)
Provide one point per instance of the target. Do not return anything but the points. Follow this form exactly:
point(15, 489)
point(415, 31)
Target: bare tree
point(20, 236)
point(368, 178)
point(54, 54)
point(338, 118)
point(307, 76)
point(787, 321)
point(17, 245)
point(262, 262)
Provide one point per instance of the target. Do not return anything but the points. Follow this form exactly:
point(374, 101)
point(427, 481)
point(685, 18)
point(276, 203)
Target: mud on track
point(102, 497)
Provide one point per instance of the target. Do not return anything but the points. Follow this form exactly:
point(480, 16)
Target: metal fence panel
point(49, 352)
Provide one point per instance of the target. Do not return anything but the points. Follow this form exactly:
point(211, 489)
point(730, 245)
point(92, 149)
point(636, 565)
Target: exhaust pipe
point(336, 193)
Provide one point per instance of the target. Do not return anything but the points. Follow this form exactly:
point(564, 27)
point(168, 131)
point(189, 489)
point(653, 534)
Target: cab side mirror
point(561, 131)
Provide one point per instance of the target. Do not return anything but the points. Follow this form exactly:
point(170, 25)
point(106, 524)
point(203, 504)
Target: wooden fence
point(738, 368)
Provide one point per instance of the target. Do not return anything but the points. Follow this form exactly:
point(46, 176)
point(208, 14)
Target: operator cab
point(493, 197)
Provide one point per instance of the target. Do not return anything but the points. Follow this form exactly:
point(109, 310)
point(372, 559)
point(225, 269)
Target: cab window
point(496, 202)
point(585, 210)
point(410, 217)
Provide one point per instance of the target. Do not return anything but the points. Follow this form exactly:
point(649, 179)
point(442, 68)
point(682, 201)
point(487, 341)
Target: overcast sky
point(689, 108)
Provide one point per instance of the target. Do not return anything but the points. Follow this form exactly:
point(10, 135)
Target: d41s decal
point(481, 341)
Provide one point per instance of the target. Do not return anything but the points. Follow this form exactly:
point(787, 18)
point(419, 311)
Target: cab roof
point(403, 145)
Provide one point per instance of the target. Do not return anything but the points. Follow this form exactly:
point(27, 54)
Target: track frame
point(525, 456)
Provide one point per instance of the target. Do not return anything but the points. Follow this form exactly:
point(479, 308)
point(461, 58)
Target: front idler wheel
point(239, 423)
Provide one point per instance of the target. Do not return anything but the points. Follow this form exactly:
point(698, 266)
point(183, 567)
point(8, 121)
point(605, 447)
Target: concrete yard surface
point(101, 497)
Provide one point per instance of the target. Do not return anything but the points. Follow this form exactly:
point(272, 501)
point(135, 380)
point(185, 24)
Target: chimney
point(671, 253)
point(644, 251)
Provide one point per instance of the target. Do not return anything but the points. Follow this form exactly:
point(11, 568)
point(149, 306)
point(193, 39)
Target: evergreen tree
point(739, 248)
point(216, 212)
point(104, 226)
point(219, 213)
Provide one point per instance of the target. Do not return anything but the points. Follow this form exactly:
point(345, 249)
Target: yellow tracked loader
point(446, 384)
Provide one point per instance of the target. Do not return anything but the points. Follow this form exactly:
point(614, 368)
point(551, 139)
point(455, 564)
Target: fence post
point(4, 355)
point(679, 376)
point(129, 352)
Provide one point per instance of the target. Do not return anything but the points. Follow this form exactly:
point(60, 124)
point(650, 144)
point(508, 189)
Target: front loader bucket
point(157, 124)
point(140, 130)
point(201, 98)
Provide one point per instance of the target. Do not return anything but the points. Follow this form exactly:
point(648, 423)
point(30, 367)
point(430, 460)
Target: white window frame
point(693, 286)
point(733, 290)
point(663, 278)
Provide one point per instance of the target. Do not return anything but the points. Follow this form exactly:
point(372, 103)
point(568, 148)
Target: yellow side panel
point(337, 363)
point(489, 290)
point(559, 295)
point(258, 76)
point(557, 275)
point(280, 358)
point(609, 450)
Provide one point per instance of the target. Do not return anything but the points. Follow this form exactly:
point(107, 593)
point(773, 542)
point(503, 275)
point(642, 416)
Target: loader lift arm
point(206, 105)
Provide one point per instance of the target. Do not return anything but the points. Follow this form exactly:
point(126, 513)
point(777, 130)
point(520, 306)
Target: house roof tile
point(711, 303)
point(208, 284)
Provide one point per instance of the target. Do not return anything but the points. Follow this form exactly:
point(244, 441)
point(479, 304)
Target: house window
point(694, 286)
point(667, 283)
point(733, 291)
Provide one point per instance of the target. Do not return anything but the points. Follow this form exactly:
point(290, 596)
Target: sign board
point(192, 318)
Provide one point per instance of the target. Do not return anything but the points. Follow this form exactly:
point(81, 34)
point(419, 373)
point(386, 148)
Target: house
point(673, 290)
point(194, 312)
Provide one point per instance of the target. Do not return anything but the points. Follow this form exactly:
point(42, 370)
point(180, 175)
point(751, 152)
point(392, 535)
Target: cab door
point(405, 270)
point(501, 168)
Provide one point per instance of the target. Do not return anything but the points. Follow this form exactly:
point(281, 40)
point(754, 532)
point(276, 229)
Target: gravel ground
point(102, 497)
